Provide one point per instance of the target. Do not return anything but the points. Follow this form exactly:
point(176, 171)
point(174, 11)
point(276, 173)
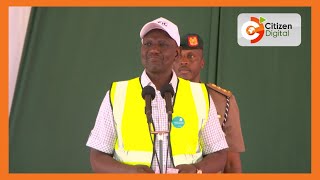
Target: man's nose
point(154, 49)
point(184, 61)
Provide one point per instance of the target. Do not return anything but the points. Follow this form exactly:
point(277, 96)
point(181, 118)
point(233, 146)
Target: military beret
point(191, 41)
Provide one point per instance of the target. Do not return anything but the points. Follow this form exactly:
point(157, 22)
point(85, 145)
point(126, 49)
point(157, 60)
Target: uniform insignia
point(193, 41)
point(220, 90)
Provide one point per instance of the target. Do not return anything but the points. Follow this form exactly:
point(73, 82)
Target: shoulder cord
point(226, 113)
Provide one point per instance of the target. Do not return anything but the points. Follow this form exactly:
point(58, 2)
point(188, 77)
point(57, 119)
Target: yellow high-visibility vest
point(134, 146)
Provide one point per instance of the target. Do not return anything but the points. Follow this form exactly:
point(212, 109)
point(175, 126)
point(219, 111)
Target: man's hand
point(104, 163)
point(187, 168)
point(141, 169)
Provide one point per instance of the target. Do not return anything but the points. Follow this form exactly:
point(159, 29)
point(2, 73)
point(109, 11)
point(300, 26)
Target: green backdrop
point(71, 56)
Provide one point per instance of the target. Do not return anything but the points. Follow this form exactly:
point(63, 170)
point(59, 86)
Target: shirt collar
point(145, 81)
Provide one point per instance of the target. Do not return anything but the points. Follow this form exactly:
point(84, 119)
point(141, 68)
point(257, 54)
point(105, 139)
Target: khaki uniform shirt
point(232, 126)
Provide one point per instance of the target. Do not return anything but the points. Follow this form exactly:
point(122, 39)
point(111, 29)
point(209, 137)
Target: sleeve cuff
point(92, 143)
point(215, 147)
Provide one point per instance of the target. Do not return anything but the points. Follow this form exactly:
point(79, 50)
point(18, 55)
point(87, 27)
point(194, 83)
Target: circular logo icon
point(178, 122)
point(253, 30)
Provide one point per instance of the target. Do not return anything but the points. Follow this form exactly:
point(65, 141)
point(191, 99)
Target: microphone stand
point(167, 93)
point(161, 153)
point(169, 110)
point(169, 131)
point(160, 137)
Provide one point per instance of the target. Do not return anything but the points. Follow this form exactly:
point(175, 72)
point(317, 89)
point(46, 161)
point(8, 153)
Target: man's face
point(158, 52)
point(189, 65)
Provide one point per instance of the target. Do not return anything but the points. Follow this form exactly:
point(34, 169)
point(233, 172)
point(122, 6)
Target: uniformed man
point(189, 67)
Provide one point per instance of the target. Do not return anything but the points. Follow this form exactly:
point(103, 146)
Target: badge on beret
point(193, 41)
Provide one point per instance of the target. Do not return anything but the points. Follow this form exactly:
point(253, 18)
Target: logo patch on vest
point(178, 122)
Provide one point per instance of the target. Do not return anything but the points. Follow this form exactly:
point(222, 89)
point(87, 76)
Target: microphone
point(167, 93)
point(148, 94)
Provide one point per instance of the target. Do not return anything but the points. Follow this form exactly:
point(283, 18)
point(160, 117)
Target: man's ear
point(178, 53)
point(202, 63)
point(202, 60)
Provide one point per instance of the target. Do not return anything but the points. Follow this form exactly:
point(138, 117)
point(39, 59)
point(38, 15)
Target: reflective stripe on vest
point(133, 145)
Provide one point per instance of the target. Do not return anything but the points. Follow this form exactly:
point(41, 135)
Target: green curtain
point(71, 56)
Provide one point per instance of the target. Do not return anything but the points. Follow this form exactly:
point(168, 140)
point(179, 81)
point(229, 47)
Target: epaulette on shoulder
point(219, 89)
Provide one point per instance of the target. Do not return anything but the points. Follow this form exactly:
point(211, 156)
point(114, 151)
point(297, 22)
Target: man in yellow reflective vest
point(121, 142)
